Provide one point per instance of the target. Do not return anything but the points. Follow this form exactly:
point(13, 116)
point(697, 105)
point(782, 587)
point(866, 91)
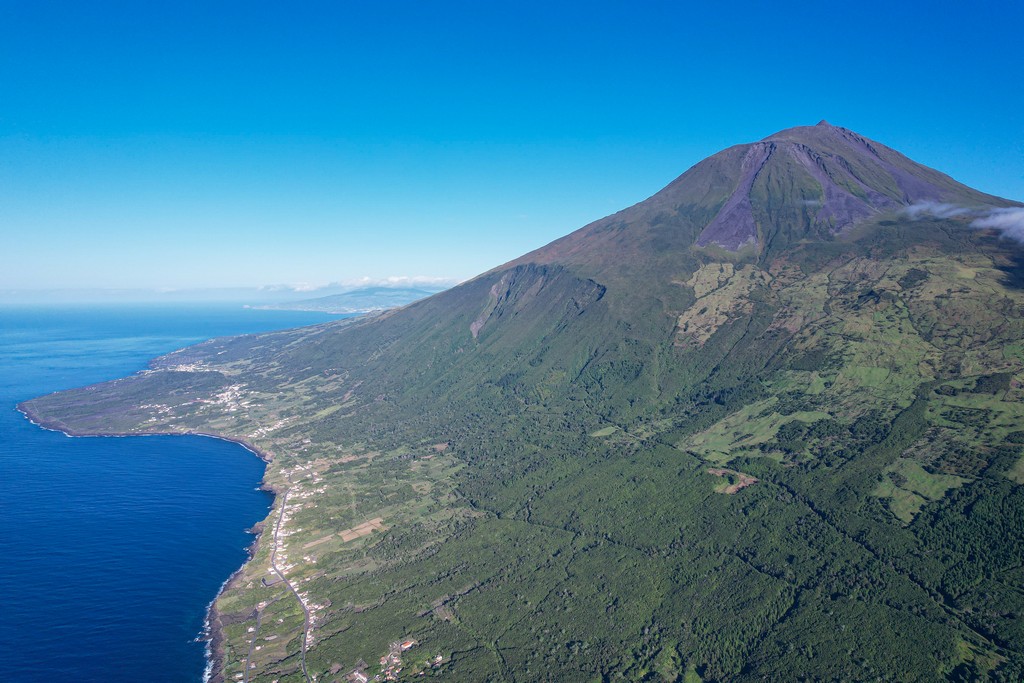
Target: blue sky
point(184, 145)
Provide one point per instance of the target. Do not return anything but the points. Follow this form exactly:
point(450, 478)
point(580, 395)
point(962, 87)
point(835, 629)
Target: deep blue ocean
point(112, 548)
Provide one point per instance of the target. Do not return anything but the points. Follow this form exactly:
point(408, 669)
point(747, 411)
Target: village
point(391, 664)
point(305, 484)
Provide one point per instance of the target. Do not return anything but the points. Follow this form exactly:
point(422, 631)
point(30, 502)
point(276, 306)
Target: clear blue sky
point(206, 144)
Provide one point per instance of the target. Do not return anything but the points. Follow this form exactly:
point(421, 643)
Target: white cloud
point(426, 281)
point(295, 287)
point(1009, 222)
point(403, 280)
point(936, 210)
point(395, 281)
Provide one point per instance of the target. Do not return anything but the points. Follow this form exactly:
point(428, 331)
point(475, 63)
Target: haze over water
point(113, 548)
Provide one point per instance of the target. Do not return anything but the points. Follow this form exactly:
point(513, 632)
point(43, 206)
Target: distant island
point(767, 424)
point(365, 299)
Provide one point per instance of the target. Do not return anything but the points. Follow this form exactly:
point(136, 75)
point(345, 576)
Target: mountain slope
point(763, 425)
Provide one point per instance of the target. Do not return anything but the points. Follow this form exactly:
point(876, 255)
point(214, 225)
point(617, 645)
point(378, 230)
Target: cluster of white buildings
point(280, 552)
point(272, 427)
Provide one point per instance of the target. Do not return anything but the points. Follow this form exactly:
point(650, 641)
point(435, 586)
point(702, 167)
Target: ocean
point(111, 549)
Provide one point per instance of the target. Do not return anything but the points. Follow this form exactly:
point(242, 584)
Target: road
point(291, 586)
point(252, 644)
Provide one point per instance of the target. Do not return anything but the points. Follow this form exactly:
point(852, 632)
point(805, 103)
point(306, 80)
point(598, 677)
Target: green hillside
point(766, 425)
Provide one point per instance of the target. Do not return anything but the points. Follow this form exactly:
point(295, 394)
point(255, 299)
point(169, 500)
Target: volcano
point(764, 425)
point(809, 182)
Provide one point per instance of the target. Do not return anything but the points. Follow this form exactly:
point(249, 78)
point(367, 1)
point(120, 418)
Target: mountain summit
point(765, 425)
point(825, 179)
point(808, 182)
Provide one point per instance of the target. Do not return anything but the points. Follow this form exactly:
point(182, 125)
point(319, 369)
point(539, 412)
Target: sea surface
point(111, 549)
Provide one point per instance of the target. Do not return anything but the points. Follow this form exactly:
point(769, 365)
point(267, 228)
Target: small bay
point(113, 547)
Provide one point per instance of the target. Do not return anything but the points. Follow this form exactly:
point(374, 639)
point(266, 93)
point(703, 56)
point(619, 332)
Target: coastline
point(213, 619)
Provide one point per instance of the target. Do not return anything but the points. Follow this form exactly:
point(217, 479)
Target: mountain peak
point(815, 182)
point(807, 183)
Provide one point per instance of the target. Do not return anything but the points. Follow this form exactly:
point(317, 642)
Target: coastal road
point(252, 644)
point(273, 564)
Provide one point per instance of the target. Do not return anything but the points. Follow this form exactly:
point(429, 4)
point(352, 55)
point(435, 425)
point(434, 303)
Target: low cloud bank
point(1009, 222)
point(406, 281)
point(425, 281)
point(936, 210)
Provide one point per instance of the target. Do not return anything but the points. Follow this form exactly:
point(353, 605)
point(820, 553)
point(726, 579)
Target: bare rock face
point(735, 227)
